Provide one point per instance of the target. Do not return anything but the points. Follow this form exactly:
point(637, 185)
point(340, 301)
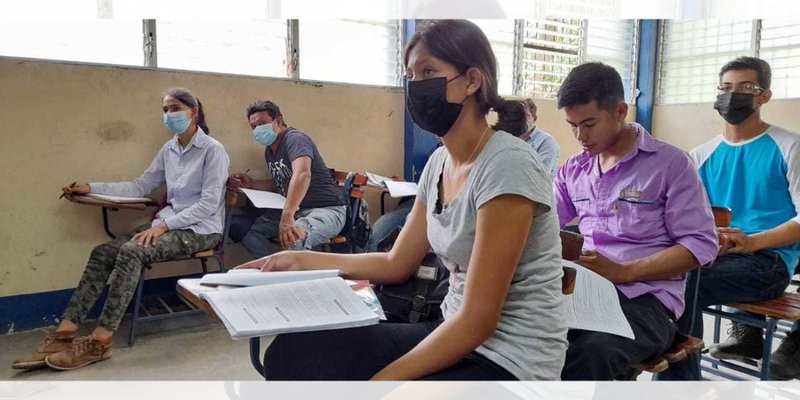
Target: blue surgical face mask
point(265, 134)
point(177, 122)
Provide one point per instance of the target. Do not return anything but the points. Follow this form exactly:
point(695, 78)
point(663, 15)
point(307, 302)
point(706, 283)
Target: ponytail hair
point(188, 99)
point(201, 118)
point(510, 116)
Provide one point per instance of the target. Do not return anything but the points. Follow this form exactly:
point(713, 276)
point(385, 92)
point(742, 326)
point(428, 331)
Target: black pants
point(360, 353)
point(603, 356)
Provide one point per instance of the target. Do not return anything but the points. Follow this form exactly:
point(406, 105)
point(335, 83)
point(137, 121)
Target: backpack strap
point(425, 276)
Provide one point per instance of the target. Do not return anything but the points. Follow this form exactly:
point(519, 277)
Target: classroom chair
point(571, 248)
point(784, 307)
point(217, 253)
point(352, 184)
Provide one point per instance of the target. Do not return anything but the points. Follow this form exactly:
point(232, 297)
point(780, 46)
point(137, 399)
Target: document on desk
point(376, 180)
point(401, 189)
point(255, 277)
point(119, 199)
point(264, 199)
point(594, 305)
point(314, 305)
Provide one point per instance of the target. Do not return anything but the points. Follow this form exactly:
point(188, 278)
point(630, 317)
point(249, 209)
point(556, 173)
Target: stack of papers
point(309, 305)
point(254, 277)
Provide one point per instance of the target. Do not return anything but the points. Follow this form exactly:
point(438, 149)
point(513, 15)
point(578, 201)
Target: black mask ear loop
point(454, 78)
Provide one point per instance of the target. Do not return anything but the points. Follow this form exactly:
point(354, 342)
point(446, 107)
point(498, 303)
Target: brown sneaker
point(53, 342)
point(82, 352)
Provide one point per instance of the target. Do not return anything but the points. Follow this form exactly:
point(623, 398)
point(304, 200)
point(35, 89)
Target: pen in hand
point(65, 193)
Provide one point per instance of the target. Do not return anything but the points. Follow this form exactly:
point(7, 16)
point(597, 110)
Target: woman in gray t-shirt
point(485, 206)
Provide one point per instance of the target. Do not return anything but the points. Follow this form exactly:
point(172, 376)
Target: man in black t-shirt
point(315, 209)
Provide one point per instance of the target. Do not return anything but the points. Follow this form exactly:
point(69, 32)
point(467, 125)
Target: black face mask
point(427, 103)
point(734, 107)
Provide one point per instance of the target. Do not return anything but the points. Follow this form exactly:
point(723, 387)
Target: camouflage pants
point(120, 262)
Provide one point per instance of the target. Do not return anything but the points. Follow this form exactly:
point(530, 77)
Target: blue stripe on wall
point(646, 72)
point(31, 311)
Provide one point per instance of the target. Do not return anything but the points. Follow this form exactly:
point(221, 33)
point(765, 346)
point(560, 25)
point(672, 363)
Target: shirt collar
point(644, 142)
point(199, 140)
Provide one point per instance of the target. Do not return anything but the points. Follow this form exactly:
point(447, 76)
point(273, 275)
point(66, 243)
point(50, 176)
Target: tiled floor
point(189, 348)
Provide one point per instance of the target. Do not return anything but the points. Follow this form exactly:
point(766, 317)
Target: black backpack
point(420, 298)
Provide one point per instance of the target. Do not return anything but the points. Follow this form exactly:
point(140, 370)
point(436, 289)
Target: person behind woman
point(486, 207)
point(194, 167)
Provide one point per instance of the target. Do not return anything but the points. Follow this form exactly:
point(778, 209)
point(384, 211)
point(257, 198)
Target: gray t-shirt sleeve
point(298, 145)
point(516, 172)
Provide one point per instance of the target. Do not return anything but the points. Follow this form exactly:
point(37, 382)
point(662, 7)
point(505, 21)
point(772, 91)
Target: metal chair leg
point(767, 350)
point(255, 355)
point(717, 325)
point(137, 303)
point(220, 262)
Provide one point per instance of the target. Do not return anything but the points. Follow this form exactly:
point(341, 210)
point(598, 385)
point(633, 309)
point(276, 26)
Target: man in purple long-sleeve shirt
point(644, 215)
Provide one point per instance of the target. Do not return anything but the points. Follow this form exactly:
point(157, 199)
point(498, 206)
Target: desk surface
point(90, 201)
point(190, 290)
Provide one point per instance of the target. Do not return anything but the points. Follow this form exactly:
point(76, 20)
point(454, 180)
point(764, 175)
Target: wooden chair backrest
point(571, 248)
point(722, 216)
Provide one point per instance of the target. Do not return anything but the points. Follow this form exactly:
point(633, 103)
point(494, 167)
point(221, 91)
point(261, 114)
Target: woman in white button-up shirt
point(194, 168)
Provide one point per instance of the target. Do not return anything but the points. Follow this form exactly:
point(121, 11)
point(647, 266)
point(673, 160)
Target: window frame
point(150, 41)
point(754, 51)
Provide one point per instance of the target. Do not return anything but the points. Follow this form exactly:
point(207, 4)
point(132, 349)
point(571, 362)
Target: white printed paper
point(377, 180)
point(401, 189)
point(289, 307)
point(264, 199)
point(236, 278)
point(594, 305)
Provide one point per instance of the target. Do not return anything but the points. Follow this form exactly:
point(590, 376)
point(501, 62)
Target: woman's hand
point(283, 261)
point(150, 236)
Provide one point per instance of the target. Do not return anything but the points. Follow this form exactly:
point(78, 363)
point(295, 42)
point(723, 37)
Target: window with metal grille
point(352, 51)
point(780, 47)
point(729, 9)
point(238, 47)
point(614, 42)
point(500, 33)
point(582, 8)
point(97, 41)
point(692, 53)
point(551, 48)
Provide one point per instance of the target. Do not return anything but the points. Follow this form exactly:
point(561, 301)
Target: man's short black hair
point(268, 106)
point(592, 81)
point(763, 71)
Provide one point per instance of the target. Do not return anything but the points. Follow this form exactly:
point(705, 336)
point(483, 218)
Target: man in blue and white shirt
point(753, 168)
